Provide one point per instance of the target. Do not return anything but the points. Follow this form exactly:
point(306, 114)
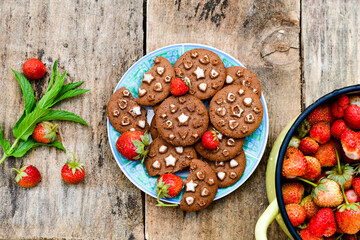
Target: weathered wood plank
point(263, 35)
point(96, 41)
point(331, 44)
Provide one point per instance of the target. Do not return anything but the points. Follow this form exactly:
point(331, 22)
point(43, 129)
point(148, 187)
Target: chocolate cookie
point(155, 85)
point(204, 69)
point(244, 77)
point(229, 172)
point(200, 187)
point(226, 149)
point(125, 114)
point(153, 129)
point(182, 120)
point(165, 158)
point(236, 111)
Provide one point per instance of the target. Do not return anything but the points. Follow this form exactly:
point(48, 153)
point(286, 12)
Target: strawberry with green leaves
point(73, 172)
point(180, 86)
point(168, 186)
point(133, 145)
point(348, 216)
point(209, 140)
point(28, 176)
point(45, 132)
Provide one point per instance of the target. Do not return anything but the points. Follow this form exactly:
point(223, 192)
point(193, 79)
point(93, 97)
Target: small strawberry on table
point(45, 132)
point(28, 176)
point(34, 69)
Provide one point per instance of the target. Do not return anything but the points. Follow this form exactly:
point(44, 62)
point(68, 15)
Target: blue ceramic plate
point(254, 146)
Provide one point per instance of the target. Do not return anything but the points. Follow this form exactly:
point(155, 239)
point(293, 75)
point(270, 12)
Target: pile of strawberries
point(321, 189)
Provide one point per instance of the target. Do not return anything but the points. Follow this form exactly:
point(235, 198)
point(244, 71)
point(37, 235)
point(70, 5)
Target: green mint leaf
point(53, 76)
point(69, 94)
point(20, 120)
point(3, 142)
point(26, 90)
point(63, 115)
point(47, 100)
point(68, 87)
point(28, 124)
point(25, 146)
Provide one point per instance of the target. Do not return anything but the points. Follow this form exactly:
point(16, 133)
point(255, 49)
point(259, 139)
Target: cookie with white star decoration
point(125, 114)
point(155, 85)
point(244, 77)
point(204, 69)
point(229, 172)
point(165, 158)
point(227, 147)
point(236, 111)
point(200, 187)
point(182, 120)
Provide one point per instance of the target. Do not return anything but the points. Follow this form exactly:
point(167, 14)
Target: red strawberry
point(180, 86)
point(310, 207)
point(168, 186)
point(338, 128)
point(321, 114)
point(292, 192)
point(348, 217)
point(321, 132)
point(323, 223)
point(308, 146)
point(326, 154)
point(294, 163)
point(351, 196)
point(313, 168)
point(352, 116)
point(28, 176)
point(356, 185)
point(209, 140)
point(133, 145)
point(73, 172)
point(45, 132)
point(350, 142)
point(327, 193)
point(305, 234)
point(296, 214)
point(339, 106)
point(34, 69)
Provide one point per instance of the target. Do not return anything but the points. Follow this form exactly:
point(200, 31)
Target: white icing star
point(183, 118)
point(179, 149)
point(229, 79)
point(199, 72)
point(156, 164)
point(221, 175)
point(233, 163)
point(148, 78)
point(141, 123)
point(190, 186)
point(202, 86)
point(170, 160)
point(162, 148)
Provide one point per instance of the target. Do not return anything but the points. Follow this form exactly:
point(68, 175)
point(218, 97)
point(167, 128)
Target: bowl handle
point(265, 219)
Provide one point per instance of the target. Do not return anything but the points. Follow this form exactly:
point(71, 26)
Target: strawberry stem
point(55, 126)
point(307, 181)
point(343, 193)
point(15, 170)
point(161, 204)
point(338, 160)
point(340, 236)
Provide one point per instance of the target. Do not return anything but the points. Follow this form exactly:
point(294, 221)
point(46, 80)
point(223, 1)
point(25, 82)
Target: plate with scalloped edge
point(254, 146)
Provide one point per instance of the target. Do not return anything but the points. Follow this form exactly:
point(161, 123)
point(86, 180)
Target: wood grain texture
point(264, 36)
point(331, 45)
point(96, 41)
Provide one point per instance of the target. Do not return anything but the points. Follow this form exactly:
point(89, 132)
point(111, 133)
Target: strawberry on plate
point(133, 145)
point(28, 176)
point(168, 186)
point(45, 132)
point(180, 86)
point(73, 172)
point(34, 69)
point(209, 140)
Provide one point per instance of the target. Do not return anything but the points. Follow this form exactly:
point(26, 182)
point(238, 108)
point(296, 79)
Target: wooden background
point(300, 50)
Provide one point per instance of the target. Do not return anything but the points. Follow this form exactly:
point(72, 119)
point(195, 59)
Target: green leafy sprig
point(42, 111)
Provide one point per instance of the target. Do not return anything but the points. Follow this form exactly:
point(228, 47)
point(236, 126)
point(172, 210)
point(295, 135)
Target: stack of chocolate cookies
point(235, 111)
